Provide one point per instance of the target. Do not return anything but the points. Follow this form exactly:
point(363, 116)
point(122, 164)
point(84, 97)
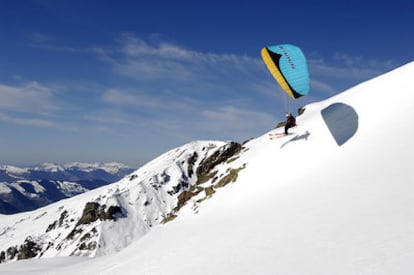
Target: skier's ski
point(277, 135)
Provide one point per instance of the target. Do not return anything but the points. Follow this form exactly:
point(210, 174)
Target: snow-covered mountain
point(335, 197)
point(24, 189)
point(90, 224)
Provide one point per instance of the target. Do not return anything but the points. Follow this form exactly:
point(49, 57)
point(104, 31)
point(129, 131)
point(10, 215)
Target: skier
point(290, 122)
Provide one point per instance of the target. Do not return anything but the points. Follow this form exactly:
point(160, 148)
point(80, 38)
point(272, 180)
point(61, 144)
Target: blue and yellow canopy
point(287, 64)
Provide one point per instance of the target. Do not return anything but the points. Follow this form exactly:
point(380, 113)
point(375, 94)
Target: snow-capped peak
point(13, 169)
point(109, 167)
point(49, 167)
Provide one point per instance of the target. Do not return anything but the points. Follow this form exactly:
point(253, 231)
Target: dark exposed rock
point(165, 177)
point(12, 252)
point(191, 162)
point(71, 235)
point(82, 246)
point(90, 246)
point(90, 213)
point(111, 213)
point(2, 257)
point(51, 226)
point(94, 211)
point(209, 191)
point(183, 197)
point(219, 156)
point(62, 217)
point(28, 250)
point(231, 176)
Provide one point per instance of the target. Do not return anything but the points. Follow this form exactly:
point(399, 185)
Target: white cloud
point(359, 61)
point(345, 66)
point(160, 60)
point(28, 121)
point(124, 98)
point(322, 86)
point(151, 102)
point(28, 98)
point(238, 119)
point(184, 118)
point(48, 42)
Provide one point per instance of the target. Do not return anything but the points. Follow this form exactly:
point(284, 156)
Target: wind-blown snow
point(302, 205)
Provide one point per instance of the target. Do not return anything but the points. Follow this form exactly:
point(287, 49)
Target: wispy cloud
point(30, 97)
point(143, 60)
point(28, 121)
point(344, 66)
point(239, 120)
point(125, 98)
point(361, 62)
point(322, 86)
point(149, 101)
point(48, 42)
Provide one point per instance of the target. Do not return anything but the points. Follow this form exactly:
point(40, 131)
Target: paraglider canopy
point(287, 64)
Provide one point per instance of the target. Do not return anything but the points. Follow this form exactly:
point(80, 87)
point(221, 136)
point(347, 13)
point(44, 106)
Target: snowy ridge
point(336, 197)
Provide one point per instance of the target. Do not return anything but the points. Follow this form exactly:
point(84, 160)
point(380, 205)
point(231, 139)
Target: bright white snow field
point(302, 205)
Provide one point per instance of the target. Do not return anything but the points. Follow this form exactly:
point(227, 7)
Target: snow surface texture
point(304, 204)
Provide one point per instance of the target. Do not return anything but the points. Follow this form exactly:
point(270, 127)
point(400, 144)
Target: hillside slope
point(336, 197)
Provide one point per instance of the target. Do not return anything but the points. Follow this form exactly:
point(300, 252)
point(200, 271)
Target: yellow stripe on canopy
point(276, 72)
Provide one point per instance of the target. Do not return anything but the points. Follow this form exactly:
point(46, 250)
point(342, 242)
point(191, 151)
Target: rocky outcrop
point(94, 211)
point(223, 154)
point(29, 249)
point(205, 172)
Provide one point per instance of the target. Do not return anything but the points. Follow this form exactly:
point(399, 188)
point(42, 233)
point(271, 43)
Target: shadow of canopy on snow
point(342, 121)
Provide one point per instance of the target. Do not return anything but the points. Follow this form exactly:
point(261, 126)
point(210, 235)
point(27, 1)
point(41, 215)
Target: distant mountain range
point(25, 189)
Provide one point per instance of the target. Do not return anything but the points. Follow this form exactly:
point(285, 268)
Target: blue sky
point(128, 80)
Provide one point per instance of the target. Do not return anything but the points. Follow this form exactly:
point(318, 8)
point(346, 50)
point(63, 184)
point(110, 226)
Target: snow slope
point(303, 204)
